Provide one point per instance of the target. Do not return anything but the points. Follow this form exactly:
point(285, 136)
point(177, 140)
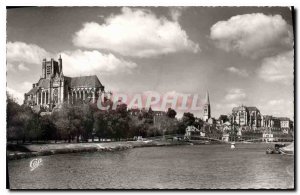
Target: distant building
point(271, 123)
point(285, 123)
point(252, 125)
point(269, 137)
point(246, 116)
point(225, 137)
point(206, 109)
point(193, 131)
point(277, 124)
point(211, 121)
point(134, 111)
point(53, 88)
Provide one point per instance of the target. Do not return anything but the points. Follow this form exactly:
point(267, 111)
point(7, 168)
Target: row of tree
point(81, 121)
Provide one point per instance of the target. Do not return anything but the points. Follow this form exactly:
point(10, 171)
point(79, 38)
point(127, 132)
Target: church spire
point(206, 108)
point(207, 98)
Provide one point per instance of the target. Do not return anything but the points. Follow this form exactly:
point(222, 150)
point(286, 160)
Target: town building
point(285, 123)
point(53, 88)
point(271, 123)
point(193, 131)
point(268, 137)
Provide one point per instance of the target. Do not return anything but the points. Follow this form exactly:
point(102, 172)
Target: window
point(39, 98)
point(47, 98)
point(48, 69)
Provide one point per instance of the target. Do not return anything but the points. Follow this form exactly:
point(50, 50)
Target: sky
point(240, 55)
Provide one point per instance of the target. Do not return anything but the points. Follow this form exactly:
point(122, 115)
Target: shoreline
point(33, 150)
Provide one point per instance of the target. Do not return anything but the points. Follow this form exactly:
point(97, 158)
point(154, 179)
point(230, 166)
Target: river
point(175, 167)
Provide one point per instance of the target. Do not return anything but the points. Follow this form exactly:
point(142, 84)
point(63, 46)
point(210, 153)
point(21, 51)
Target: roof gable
point(84, 81)
point(33, 91)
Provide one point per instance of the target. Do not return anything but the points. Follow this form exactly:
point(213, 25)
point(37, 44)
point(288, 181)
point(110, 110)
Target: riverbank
point(15, 152)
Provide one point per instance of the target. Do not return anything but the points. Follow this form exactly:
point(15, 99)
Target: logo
point(35, 163)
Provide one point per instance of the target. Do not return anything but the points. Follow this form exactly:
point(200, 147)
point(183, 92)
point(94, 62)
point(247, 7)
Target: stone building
point(285, 123)
point(270, 122)
point(282, 124)
point(246, 116)
point(250, 118)
point(53, 88)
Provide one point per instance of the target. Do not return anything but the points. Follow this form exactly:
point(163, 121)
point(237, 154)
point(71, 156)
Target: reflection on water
point(197, 167)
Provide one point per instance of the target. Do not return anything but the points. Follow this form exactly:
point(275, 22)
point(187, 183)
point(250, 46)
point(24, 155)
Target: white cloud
point(23, 67)
point(253, 35)
point(20, 56)
point(235, 95)
point(275, 102)
point(91, 62)
point(240, 72)
point(10, 67)
point(26, 86)
point(137, 33)
point(278, 107)
point(278, 68)
point(25, 53)
point(18, 91)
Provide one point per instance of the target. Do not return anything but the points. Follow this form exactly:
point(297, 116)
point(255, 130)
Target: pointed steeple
point(206, 108)
point(207, 98)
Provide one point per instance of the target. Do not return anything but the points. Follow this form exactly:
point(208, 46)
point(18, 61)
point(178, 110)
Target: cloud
point(275, 102)
point(176, 12)
point(25, 53)
point(242, 73)
point(235, 95)
point(10, 67)
point(136, 33)
point(90, 62)
point(253, 35)
point(26, 86)
point(21, 55)
point(278, 68)
point(23, 67)
point(278, 107)
point(17, 91)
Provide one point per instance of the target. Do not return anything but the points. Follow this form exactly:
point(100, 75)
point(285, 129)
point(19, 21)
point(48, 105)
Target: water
point(196, 167)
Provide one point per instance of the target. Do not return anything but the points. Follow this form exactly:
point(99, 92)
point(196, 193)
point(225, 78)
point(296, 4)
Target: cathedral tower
point(206, 114)
point(60, 71)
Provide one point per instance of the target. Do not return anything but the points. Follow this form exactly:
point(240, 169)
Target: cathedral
point(53, 88)
point(247, 116)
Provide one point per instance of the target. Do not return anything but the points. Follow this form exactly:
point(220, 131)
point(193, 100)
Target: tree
point(49, 129)
point(171, 113)
point(188, 119)
point(101, 124)
point(22, 122)
point(34, 127)
point(63, 121)
point(223, 118)
point(13, 123)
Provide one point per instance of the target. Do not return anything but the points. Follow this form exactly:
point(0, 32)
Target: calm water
point(200, 167)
